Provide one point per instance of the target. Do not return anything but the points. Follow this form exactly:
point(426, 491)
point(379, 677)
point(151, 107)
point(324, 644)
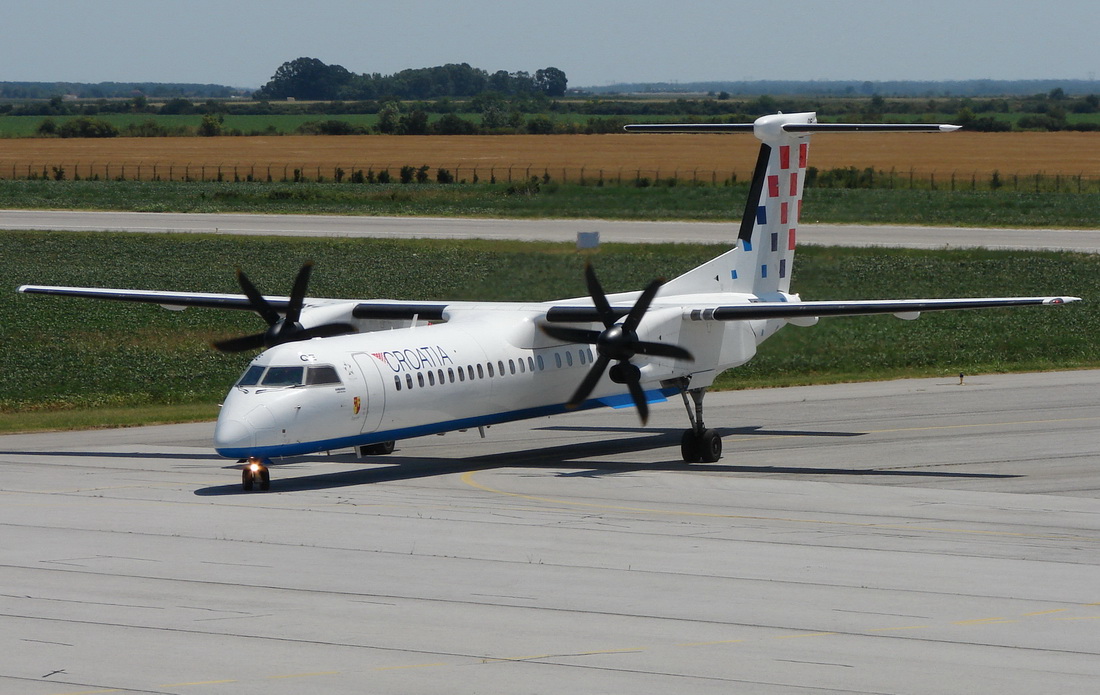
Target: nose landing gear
point(255, 472)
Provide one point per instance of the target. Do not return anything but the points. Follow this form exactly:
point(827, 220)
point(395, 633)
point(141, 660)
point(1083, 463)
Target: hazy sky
point(242, 42)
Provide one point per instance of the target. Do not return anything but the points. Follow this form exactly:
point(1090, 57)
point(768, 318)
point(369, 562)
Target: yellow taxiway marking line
point(982, 621)
point(468, 479)
point(894, 629)
point(1056, 610)
point(1083, 617)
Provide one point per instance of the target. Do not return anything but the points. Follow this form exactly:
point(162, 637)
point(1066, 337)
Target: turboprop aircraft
point(339, 373)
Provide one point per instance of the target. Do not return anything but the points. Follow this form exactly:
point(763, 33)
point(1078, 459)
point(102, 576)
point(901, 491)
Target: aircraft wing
point(393, 310)
point(904, 308)
point(170, 300)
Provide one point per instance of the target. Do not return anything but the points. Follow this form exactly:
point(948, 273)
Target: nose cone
point(233, 438)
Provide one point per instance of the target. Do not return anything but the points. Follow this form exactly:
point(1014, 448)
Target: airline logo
point(412, 359)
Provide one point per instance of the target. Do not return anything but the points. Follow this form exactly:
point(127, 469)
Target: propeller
point(281, 329)
point(617, 342)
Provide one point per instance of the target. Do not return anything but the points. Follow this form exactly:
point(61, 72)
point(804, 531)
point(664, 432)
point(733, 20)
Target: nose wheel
point(255, 473)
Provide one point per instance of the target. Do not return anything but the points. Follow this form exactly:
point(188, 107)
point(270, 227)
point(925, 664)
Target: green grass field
point(683, 202)
point(77, 362)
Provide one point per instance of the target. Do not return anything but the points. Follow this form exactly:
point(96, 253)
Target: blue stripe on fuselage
point(299, 448)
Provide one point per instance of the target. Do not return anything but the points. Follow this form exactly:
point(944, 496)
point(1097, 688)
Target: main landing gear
point(255, 472)
point(698, 445)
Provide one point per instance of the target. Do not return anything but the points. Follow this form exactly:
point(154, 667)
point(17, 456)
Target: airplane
point(340, 373)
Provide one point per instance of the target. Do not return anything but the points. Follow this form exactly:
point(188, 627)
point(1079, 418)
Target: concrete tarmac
point(903, 537)
point(1082, 240)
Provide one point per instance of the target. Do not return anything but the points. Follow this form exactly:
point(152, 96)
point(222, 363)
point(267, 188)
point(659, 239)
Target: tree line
point(311, 79)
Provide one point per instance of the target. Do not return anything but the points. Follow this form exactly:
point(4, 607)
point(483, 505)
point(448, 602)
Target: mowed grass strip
point(562, 156)
point(104, 361)
point(1004, 208)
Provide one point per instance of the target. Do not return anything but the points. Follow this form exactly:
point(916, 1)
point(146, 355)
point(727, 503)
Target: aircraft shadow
point(396, 467)
point(112, 454)
point(724, 431)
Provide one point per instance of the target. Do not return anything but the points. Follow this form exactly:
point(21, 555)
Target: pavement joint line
point(468, 479)
point(997, 620)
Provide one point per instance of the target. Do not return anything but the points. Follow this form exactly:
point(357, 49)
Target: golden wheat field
point(702, 156)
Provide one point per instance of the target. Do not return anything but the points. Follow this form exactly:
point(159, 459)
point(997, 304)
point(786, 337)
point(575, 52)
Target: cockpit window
point(322, 375)
point(252, 376)
point(283, 376)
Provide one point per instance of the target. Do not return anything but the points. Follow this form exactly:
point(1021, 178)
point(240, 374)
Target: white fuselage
point(388, 385)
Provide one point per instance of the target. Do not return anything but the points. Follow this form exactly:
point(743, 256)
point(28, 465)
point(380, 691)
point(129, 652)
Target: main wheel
point(379, 449)
point(265, 478)
point(247, 479)
point(710, 446)
point(689, 447)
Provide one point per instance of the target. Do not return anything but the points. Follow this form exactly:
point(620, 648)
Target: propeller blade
point(259, 304)
point(643, 347)
point(326, 330)
point(599, 299)
point(242, 344)
point(641, 306)
point(298, 293)
point(571, 335)
point(638, 395)
point(589, 383)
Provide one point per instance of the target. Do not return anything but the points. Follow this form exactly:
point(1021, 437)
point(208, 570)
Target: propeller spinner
point(281, 329)
point(618, 342)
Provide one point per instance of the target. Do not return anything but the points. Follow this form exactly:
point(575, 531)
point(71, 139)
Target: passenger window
point(283, 376)
point(542, 365)
point(461, 374)
point(450, 375)
point(500, 367)
point(397, 381)
point(512, 367)
point(480, 372)
point(557, 359)
point(590, 357)
point(522, 366)
point(530, 363)
point(431, 378)
point(490, 370)
point(409, 380)
point(569, 358)
point(580, 353)
point(252, 376)
point(441, 381)
point(420, 379)
point(322, 375)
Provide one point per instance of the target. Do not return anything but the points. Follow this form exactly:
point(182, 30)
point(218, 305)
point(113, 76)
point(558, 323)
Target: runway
point(904, 537)
point(1082, 240)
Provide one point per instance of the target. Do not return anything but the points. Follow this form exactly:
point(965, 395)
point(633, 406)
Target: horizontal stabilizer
point(807, 128)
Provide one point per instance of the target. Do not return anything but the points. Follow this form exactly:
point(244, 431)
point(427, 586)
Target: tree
point(306, 78)
point(551, 82)
point(211, 125)
point(389, 117)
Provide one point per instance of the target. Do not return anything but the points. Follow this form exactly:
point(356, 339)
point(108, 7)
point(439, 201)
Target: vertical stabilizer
point(763, 256)
point(762, 259)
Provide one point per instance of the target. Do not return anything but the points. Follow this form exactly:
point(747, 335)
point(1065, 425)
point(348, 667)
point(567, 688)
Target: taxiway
point(908, 536)
point(1081, 240)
